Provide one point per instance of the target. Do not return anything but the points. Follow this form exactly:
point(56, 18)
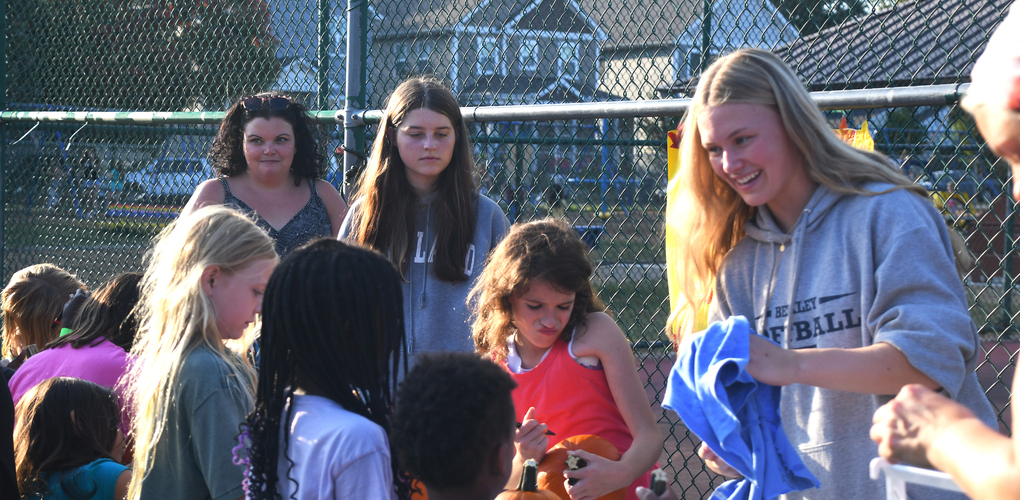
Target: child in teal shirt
point(68, 442)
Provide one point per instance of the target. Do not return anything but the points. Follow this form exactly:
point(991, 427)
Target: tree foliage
point(810, 16)
point(137, 54)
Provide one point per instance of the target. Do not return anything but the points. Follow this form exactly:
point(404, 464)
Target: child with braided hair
point(332, 343)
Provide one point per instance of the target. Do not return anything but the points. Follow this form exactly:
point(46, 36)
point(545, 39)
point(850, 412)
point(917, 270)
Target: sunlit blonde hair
point(32, 302)
point(177, 316)
point(549, 250)
point(712, 215)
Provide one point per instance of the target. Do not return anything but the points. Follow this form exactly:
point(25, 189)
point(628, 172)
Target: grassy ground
point(94, 248)
point(639, 308)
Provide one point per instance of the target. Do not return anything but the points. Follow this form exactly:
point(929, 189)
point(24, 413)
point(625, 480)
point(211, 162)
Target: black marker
point(547, 431)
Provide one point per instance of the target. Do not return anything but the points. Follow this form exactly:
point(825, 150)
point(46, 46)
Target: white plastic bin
point(897, 476)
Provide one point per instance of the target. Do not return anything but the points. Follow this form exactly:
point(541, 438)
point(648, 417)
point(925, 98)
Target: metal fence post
point(706, 36)
point(322, 55)
point(3, 125)
point(1008, 249)
point(357, 77)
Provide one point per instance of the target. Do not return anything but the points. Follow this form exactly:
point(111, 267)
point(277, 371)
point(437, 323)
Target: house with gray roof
point(295, 24)
point(912, 43)
point(496, 52)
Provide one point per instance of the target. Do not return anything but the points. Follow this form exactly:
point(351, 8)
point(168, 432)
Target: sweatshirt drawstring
point(798, 243)
point(428, 255)
point(768, 290)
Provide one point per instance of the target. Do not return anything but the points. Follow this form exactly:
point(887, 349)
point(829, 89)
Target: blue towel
point(737, 417)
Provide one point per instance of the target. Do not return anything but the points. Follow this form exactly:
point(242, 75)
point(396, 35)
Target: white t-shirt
point(336, 454)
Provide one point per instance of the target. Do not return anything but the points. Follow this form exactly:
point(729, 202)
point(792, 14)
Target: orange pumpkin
point(550, 472)
point(528, 487)
point(422, 494)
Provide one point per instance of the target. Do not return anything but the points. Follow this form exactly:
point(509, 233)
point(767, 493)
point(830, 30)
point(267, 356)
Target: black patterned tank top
point(311, 222)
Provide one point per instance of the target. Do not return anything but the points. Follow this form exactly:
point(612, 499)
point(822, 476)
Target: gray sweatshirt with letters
point(436, 316)
point(856, 270)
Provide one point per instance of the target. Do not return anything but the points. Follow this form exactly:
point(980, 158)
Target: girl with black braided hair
point(332, 344)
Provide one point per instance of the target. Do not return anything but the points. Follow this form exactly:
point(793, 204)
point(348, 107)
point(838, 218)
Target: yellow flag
point(860, 139)
point(674, 232)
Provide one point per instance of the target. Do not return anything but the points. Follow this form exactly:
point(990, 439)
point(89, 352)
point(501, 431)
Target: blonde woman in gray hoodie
point(830, 253)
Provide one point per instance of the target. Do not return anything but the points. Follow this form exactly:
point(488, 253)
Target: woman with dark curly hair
point(270, 164)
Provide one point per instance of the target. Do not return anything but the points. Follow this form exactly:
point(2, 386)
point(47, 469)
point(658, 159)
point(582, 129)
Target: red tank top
point(572, 400)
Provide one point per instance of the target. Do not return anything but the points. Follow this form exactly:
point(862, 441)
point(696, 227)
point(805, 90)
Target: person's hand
point(647, 494)
point(905, 427)
point(718, 465)
point(74, 303)
point(770, 364)
point(597, 478)
point(531, 441)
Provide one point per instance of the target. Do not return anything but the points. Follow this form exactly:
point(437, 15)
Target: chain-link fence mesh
point(88, 194)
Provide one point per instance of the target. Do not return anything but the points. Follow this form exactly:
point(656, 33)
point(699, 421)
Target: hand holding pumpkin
point(598, 478)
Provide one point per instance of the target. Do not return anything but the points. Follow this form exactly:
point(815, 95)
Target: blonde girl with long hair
point(191, 385)
point(829, 252)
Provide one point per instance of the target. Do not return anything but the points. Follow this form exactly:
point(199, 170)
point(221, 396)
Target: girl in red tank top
point(537, 315)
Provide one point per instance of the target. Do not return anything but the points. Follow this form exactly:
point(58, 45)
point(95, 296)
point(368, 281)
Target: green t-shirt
point(194, 456)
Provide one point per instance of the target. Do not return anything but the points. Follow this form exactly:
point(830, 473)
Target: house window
point(529, 55)
point(486, 50)
point(570, 59)
point(689, 62)
point(693, 63)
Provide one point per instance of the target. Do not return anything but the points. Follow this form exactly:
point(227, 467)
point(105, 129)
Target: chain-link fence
point(111, 107)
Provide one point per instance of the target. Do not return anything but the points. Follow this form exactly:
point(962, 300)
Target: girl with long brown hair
point(418, 204)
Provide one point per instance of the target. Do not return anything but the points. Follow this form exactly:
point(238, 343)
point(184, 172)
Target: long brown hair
point(549, 250)
point(49, 438)
point(385, 220)
point(107, 314)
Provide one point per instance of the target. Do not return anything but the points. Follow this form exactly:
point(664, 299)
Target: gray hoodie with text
point(436, 316)
point(856, 270)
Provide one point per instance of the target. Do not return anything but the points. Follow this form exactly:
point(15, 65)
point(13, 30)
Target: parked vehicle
point(168, 179)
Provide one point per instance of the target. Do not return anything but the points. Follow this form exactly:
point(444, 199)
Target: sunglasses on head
point(255, 103)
